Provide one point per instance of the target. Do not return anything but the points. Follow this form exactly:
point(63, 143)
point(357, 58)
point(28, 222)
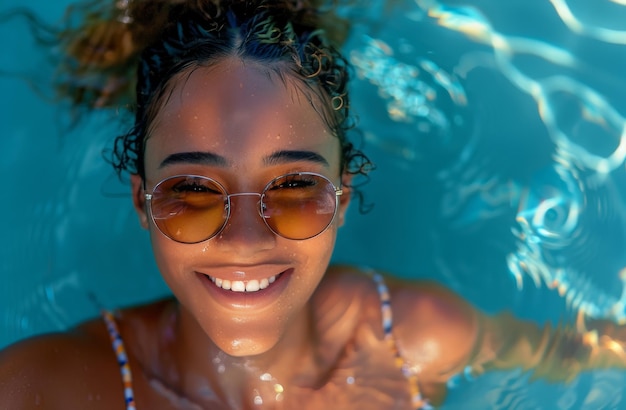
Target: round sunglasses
point(195, 208)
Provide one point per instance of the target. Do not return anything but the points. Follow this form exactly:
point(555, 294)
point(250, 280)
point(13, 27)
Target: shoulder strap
point(122, 359)
point(387, 322)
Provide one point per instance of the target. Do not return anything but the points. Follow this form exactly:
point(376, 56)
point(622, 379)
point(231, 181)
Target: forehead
point(236, 107)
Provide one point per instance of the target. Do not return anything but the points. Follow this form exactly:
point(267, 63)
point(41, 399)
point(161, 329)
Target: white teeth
point(241, 286)
point(252, 286)
point(238, 286)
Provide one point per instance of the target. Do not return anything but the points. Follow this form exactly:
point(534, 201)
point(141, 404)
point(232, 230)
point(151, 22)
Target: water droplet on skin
point(258, 400)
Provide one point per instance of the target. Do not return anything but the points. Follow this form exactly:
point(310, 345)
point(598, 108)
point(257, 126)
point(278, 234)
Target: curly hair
point(161, 38)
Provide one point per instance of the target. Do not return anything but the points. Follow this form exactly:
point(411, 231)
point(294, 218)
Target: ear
point(139, 199)
point(344, 198)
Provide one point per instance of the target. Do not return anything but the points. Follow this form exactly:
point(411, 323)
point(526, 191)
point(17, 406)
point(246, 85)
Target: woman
point(241, 172)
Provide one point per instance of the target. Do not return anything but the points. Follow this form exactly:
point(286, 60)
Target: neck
point(201, 372)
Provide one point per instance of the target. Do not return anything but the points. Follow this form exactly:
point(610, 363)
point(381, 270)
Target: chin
point(244, 347)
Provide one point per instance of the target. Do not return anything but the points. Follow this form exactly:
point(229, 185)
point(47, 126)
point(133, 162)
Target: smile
point(244, 286)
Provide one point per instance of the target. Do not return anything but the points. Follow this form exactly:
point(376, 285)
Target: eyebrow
point(284, 157)
point(212, 159)
point(195, 157)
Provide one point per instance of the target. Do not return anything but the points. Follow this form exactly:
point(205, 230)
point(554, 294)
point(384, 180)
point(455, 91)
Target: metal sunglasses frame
point(227, 205)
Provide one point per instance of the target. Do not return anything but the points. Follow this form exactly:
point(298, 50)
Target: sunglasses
point(194, 208)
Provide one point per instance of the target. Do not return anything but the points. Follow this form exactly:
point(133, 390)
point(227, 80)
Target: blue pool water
point(498, 131)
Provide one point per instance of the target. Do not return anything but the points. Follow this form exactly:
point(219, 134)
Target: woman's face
point(244, 128)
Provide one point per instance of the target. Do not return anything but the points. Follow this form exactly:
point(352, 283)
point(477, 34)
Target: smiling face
point(242, 126)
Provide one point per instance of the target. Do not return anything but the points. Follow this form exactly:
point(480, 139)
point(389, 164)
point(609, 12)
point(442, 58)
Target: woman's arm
point(442, 335)
point(554, 354)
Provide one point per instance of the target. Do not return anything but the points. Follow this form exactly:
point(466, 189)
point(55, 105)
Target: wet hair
point(164, 38)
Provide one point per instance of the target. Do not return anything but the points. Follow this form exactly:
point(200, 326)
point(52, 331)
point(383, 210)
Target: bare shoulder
point(76, 368)
point(436, 329)
point(412, 300)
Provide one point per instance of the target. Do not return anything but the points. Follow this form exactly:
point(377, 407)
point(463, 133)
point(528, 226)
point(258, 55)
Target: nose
point(245, 232)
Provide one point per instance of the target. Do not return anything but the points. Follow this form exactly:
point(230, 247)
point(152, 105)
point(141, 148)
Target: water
point(498, 131)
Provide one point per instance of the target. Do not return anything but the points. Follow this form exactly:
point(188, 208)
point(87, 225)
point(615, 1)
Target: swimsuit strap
point(122, 359)
point(417, 401)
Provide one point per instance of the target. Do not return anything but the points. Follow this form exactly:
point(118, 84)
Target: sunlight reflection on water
point(586, 132)
point(499, 132)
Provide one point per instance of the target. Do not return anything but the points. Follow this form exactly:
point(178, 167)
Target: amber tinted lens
point(299, 206)
point(189, 209)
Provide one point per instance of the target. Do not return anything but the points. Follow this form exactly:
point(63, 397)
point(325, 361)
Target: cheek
point(170, 257)
point(315, 253)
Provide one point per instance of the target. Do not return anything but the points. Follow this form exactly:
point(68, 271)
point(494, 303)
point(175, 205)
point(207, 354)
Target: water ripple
point(564, 216)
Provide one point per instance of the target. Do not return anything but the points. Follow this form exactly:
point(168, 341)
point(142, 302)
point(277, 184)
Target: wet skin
point(248, 136)
point(312, 339)
point(345, 364)
point(322, 343)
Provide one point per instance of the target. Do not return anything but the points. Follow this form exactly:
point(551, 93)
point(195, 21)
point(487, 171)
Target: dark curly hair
point(275, 33)
point(143, 44)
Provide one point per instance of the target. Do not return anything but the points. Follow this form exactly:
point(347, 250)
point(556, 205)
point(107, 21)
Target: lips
point(247, 286)
point(252, 285)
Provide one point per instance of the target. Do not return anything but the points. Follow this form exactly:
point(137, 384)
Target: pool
point(498, 132)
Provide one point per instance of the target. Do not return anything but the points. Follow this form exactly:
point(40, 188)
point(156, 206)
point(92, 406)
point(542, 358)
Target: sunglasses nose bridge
point(260, 197)
point(259, 206)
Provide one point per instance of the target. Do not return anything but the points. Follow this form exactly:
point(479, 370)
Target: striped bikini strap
point(417, 401)
point(122, 359)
